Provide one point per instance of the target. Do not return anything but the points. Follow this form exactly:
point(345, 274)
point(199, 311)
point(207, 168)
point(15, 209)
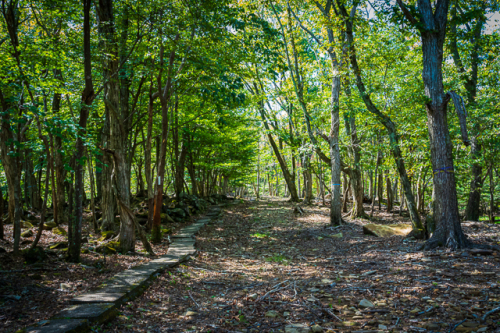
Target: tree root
point(432, 244)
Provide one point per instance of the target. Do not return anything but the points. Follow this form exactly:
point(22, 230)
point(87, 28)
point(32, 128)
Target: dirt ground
point(262, 268)
point(30, 293)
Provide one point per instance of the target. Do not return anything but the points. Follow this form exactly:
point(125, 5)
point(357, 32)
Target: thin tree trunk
point(75, 229)
point(92, 192)
point(492, 196)
point(1, 214)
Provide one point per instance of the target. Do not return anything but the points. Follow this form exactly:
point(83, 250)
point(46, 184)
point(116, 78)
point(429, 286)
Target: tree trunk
point(60, 171)
point(117, 125)
point(385, 121)
point(75, 229)
point(433, 32)
point(376, 186)
point(289, 178)
point(492, 196)
point(389, 193)
point(474, 200)
point(108, 201)
point(1, 214)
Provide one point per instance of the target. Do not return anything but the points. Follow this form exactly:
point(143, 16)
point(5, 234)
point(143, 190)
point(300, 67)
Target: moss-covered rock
point(34, 255)
point(108, 248)
point(105, 235)
point(387, 230)
point(26, 225)
point(27, 233)
point(59, 231)
point(49, 225)
point(59, 245)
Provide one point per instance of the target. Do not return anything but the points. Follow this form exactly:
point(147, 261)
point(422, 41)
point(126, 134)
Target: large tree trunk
point(117, 125)
point(446, 215)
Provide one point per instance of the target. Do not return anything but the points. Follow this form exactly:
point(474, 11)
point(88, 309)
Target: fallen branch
point(193, 299)
point(489, 313)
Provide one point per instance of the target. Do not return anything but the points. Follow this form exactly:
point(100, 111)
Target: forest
point(249, 166)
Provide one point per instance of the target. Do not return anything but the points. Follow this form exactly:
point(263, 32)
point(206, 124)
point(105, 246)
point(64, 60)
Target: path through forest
point(262, 268)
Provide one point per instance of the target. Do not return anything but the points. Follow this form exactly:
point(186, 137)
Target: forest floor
point(34, 292)
point(262, 268)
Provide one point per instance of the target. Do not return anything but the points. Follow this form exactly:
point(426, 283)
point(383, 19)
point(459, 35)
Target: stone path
point(101, 305)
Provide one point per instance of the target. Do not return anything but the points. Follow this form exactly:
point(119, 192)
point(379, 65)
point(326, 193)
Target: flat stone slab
point(59, 326)
point(99, 297)
point(387, 230)
point(100, 305)
point(183, 235)
point(99, 313)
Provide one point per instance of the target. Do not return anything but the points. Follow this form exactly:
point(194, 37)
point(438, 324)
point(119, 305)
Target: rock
point(59, 231)
point(59, 245)
point(34, 255)
point(366, 304)
point(105, 235)
point(178, 212)
point(297, 328)
point(272, 314)
point(66, 286)
point(49, 225)
point(432, 326)
point(166, 218)
point(350, 323)
point(108, 248)
point(27, 233)
point(26, 225)
point(316, 329)
point(190, 314)
point(387, 230)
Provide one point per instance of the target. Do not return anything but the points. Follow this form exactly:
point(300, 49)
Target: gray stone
point(59, 326)
point(94, 313)
point(100, 297)
point(183, 235)
point(297, 328)
point(366, 304)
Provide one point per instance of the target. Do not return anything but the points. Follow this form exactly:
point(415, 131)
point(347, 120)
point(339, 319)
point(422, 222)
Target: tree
point(431, 24)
